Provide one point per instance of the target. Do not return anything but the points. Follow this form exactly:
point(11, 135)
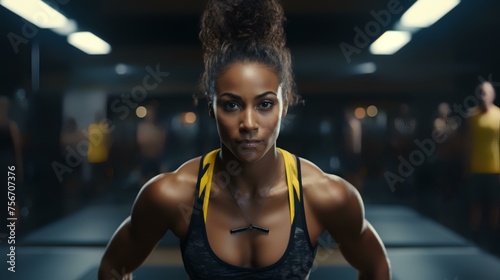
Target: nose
point(248, 120)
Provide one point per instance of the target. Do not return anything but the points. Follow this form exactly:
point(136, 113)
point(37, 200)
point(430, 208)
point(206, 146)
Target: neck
point(485, 107)
point(250, 178)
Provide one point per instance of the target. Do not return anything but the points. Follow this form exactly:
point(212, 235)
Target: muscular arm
point(139, 234)
point(342, 214)
point(366, 253)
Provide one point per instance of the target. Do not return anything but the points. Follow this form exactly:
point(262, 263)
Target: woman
point(254, 211)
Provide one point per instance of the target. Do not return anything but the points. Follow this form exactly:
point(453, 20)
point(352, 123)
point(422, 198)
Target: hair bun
point(245, 30)
point(242, 21)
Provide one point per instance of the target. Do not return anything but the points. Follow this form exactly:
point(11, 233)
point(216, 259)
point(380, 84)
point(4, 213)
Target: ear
point(211, 112)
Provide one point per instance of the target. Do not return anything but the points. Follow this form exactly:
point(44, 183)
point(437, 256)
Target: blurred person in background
point(11, 156)
point(70, 138)
point(483, 159)
point(99, 143)
point(240, 211)
point(352, 158)
point(151, 140)
point(10, 140)
point(446, 161)
point(403, 131)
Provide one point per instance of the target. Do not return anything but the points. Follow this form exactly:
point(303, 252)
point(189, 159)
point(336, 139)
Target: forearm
point(122, 256)
point(378, 267)
point(108, 271)
point(368, 256)
point(380, 272)
point(118, 262)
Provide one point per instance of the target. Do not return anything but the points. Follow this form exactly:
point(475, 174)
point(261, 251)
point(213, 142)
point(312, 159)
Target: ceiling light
point(424, 13)
point(36, 12)
point(365, 68)
point(89, 43)
point(68, 28)
point(390, 42)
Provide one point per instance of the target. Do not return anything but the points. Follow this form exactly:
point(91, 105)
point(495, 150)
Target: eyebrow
point(235, 96)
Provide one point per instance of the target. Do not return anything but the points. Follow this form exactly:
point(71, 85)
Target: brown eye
point(266, 105)
point(230, 106)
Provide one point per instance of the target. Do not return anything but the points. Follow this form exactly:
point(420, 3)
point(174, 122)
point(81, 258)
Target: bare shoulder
point(165, 192)
point(175, 183)
point(324, 189)
point(335, 203)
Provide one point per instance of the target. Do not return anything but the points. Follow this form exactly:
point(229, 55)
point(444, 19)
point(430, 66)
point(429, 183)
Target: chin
point(249, 154)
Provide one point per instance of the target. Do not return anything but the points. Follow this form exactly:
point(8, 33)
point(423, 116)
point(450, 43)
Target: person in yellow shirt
point(151, 138)
point(484, 158)
point(98, 153)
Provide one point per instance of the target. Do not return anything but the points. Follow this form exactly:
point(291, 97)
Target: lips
point(249, 143)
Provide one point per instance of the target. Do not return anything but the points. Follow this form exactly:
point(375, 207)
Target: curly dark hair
point(245, 31)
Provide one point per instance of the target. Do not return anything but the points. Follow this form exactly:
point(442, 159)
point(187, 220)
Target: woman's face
point(248, 106)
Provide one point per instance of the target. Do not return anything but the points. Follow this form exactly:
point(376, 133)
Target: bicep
point(357, 239)
point(139, 234)
point(149, 220)
point(364, 251)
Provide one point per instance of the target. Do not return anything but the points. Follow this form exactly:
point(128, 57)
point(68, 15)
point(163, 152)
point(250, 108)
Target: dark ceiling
point(446, 58)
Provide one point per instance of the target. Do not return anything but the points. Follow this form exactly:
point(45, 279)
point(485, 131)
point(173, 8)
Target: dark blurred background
point(362, 117)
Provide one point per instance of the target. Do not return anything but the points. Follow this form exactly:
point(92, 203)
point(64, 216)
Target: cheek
point(273, 124)
point(225, 124)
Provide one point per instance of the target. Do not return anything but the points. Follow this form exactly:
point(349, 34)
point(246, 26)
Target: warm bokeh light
point(189, 117)
point(141, 111)
point(372, 111)
point(360, 113)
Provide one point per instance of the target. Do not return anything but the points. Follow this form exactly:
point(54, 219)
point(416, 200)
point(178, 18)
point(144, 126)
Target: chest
point(486, 127)
point(248, 248)
point(212, 252)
